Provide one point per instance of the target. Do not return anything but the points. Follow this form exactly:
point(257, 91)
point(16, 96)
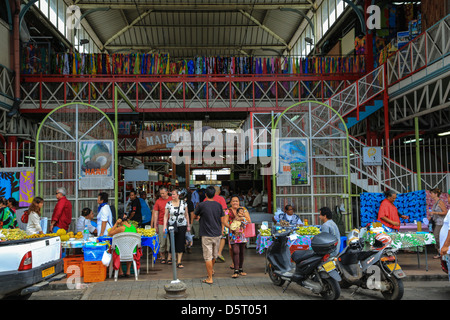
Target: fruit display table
point(263, 242)
point(406, 240)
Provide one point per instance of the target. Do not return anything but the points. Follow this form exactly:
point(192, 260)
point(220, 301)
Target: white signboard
point(372, 156)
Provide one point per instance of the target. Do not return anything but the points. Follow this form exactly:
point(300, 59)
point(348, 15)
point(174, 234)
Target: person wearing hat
point(62, 213)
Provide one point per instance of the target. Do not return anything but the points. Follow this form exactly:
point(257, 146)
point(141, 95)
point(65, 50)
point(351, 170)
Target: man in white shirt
point(257, 202)
point(85, 220)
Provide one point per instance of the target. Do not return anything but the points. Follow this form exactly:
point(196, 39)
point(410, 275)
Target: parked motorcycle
point(375, 269)
point(312, 269)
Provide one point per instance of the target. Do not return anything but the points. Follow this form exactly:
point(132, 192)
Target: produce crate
point(94, 253)
point(73, 260)
point(94, 271)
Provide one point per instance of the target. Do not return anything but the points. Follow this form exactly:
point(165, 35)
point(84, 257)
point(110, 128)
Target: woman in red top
point(388, 213)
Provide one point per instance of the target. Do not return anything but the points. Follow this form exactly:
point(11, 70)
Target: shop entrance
point(311, 161)
point(76, 149)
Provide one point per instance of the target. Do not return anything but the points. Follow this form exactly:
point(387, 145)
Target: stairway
point(369, 109)
point(355, 175)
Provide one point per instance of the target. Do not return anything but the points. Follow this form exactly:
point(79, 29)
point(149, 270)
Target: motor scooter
point(375, 269)
point(312, 269)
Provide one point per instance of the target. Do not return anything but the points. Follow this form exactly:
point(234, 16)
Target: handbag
point(249, 231)
point(175, 224)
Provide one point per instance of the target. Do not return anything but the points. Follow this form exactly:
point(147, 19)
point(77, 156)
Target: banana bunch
point(147, 232)
point(35, 236)
point(265, 232)
point(308, 231)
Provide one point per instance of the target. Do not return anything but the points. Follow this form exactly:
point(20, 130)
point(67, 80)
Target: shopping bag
point(249, 231)
point(106, 259)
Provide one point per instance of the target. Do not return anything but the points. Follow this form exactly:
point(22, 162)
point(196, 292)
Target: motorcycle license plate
point(329, 266)
point(47, 272)
point(393, 266)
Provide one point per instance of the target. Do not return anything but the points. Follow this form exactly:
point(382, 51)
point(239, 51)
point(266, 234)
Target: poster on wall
point(17, 183)
point(293, 159)
point(96, 165)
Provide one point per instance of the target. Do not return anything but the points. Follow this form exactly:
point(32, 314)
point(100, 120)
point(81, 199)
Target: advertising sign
point(96, 165)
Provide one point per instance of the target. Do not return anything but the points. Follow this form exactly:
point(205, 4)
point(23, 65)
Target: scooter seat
point(301, 255)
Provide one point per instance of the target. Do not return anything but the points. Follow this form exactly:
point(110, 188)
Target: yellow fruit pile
point(308, 230)
point(66, 236)
point(265, 232)
point(18, 234)
point(13, 234)
point(35, 236)
point(147, 232)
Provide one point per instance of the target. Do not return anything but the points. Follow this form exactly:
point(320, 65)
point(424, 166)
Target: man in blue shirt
point(330, 226)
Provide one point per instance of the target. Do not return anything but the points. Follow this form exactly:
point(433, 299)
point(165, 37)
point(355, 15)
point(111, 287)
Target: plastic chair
point(126, 242)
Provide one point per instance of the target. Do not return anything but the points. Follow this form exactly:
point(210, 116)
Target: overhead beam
point(269, 31)
point(126, 28)
point(181, 7)
point(187, 47)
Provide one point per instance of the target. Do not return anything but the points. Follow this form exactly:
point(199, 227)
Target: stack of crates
point(73, 265)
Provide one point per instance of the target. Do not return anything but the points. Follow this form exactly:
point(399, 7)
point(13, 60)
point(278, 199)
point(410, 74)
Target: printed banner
point(96, 165)
point(17, 183)
point(293, 159)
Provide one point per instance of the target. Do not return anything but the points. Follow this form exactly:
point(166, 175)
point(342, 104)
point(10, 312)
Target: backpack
point(145, 210)
point(24, 217)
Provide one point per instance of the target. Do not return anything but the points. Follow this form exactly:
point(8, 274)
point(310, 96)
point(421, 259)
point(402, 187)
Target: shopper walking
point(236, 221)
point(159, 210)
point(62, 213)
point(221, 200)
point(34, 216)
point(211, 220)
point(176, 212)
point(444, 238)
point(437, 216)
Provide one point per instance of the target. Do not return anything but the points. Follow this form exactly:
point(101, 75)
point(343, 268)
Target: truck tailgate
point(43, 250)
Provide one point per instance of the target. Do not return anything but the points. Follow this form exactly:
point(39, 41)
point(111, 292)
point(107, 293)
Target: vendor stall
point(406, 240)
point(300, 238)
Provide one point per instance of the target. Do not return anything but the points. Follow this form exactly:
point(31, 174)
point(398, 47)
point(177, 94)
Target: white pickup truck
point(27, 266)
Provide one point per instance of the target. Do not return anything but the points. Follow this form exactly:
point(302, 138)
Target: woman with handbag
point(437, 213)
point(177, 216)
point(237, 218)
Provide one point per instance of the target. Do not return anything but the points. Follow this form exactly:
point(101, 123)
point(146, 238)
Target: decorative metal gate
point(76, 148)
point(313, 152)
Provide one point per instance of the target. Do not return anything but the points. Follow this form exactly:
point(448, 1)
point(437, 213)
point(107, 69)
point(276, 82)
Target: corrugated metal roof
point(192, 28)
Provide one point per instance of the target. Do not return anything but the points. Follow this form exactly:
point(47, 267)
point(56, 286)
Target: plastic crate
point(94, 253)
point(74, 260)
point(94, 271)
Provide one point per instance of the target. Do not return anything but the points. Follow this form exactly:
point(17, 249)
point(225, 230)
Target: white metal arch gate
point(68, 138)
point(310, 150)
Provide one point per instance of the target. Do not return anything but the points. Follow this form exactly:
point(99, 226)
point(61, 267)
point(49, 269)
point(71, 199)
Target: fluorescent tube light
point(444, 134)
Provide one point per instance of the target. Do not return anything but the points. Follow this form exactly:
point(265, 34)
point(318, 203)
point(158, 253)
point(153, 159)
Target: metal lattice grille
point(58, 163)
